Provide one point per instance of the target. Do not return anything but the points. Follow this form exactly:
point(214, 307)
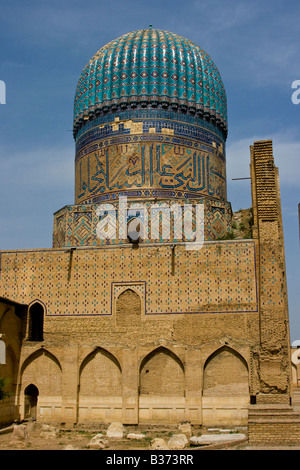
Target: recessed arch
point(100, 387)
point(225, 373)
point(162, 374)
point(225, 392)
point(38, 301)
point(36, 354)
point(225, 348)
point(44, 371)
point(100, 374)
point(92, 355)
point(10, 326)
point(6, 312)
point(10, 369)
point(128, 308)
point(136, 230)
point(158, 350)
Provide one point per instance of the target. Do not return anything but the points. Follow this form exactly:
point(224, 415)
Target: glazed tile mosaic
point(221, 277)
point(151, 65)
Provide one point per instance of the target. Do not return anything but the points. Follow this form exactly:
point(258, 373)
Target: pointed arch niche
point(100, 388)
point(225, 388)
point(42, 371)
point(161, 388)
point(128, 303)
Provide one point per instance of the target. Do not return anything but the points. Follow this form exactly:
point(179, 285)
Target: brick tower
point(272, 419)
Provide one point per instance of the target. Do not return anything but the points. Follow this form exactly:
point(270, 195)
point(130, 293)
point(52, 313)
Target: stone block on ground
point(20, 435)
point(158, 444)
point(98, 442)
point(185, 428)
point(178, 442)
point(115, 431)
point(207, 439)
point(133, 435)
point(49, 432)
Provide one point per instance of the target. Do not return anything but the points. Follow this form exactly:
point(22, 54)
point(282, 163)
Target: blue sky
point(44, 45)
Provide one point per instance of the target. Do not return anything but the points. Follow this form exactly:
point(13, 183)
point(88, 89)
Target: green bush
point(3, 384)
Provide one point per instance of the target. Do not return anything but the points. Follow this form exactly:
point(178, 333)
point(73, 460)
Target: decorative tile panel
point(219, 278)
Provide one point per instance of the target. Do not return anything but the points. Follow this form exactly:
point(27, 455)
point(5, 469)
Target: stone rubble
point(115, 431)
point(207, 439)
point(178, 442)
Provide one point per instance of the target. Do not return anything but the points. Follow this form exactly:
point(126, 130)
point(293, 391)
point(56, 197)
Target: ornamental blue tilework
point(151, 66)
point(219, 278)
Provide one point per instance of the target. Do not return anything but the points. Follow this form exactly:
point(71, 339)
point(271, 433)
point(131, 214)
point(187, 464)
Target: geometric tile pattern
point(77, 225)
point(151, 66)
point(220, 277)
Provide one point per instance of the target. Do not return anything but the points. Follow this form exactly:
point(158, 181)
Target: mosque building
point(156, 304)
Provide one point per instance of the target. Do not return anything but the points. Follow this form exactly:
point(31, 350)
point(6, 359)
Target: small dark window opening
point(36, 322)
point(252, 399)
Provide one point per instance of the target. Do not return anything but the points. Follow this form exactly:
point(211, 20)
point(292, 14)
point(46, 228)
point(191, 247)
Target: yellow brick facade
point(139, 343)
point(153, 332)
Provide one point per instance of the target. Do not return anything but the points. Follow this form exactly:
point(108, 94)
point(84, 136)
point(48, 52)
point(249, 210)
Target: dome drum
point(150, 123)
point(152, 150)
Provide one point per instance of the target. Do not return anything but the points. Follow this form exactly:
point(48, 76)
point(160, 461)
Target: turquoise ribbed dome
point(151, 67)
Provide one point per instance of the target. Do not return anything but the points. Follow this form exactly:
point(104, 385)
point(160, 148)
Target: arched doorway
point(31, 394)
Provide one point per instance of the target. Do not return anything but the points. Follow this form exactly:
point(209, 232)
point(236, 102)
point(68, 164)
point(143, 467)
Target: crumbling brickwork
point(272, 420)
point(275, 369)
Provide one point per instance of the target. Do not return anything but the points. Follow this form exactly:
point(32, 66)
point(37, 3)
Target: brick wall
point(226, 375)
point(162, 375)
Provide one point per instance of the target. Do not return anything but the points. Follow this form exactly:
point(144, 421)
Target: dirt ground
point(78, 439)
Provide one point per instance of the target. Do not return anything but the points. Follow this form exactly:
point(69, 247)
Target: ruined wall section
point(274, 354)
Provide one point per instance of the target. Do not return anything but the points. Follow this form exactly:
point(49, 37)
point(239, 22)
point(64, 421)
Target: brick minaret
point(272, 418)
